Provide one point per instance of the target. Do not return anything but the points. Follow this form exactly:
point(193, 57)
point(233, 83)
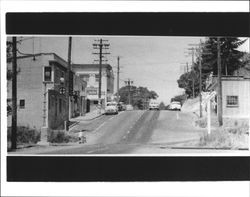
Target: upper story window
point(96, 77)
point(47, 74)
point(232, 101)
point(84, 77)
point(22, 104)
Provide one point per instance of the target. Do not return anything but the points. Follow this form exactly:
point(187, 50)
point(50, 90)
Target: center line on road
point(99, 127)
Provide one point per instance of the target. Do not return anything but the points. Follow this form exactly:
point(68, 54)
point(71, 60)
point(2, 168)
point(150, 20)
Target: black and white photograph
point(126, 98)
point(127, 95)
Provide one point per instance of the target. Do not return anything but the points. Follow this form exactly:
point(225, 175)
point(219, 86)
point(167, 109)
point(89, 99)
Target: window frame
point(22, 101)
point(97, 78)
point(232, 101)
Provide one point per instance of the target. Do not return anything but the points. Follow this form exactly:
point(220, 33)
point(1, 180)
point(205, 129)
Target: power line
point(100, 45)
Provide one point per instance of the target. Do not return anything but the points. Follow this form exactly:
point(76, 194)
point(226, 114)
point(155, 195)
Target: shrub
point(25, 135)
point(201, 122)
point(60, 136)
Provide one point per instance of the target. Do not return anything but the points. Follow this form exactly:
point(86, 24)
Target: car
point(129, 107)
point(154, 106)
point(111, 108)
point(175, 105)
point(121, 106)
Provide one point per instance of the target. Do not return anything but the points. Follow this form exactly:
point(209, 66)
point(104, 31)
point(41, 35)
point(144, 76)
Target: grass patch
point(233, 138)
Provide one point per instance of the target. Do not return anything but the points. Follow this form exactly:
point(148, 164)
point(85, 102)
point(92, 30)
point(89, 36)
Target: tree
point(9, 50)
point(181, 98)
point(230, 56)
point(186, 82)
point(139, 96)
point(231, 60)
point(162, 106)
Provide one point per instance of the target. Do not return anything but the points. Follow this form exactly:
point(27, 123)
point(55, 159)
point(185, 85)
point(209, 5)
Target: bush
point(57, 136)
point(201, 123)
point(60, 136)
point(25, 135)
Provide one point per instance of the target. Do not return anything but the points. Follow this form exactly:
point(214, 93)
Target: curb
point(77, 121)
point(94, 117)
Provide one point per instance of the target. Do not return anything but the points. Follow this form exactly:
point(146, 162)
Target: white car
point(175, 105)
point(154, 106)
point(129, 107)
point(111, 108)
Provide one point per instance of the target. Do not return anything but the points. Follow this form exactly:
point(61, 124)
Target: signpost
point(207, 101)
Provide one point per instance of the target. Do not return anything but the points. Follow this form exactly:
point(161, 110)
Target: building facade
point(235, 96)
point(42, 84)
point(90, 74)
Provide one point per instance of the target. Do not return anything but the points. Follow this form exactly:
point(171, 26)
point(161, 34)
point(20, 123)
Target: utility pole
point(187, 67)
point(219, 100)
point(118, 73)
point(14, 96)
point(192, 68)
point(129, 83)
point(193, 72)
point(200, 52)
point(100, 46)
point(200, 80)
point(68, 84)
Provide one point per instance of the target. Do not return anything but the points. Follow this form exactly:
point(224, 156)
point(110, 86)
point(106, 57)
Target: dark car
point(120, 108)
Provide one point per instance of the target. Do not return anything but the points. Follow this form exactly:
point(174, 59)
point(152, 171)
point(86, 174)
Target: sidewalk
point(87, 117)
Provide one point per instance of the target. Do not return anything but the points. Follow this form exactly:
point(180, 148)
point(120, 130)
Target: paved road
point(132, 132)
point(115, 134)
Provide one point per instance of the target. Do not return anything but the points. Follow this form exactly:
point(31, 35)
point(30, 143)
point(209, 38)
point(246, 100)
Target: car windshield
point(111, 104)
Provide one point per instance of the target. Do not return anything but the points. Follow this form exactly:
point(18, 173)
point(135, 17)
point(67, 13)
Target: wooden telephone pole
point(14, 96)
point(100, 46)
point(129, 83)
point(118, 73)
point(219, 100)
point(201, 52)
point(68, 84)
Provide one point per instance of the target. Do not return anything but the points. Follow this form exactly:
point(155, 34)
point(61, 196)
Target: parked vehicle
point(175, 105)
point(121, 106)
point(129, 107)
point(111, 108)
point(153, 105)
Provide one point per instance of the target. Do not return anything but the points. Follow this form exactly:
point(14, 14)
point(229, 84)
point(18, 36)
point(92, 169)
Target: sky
point(155, 62)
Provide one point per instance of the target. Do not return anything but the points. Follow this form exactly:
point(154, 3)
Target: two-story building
point(90, 74)
point(42, 84)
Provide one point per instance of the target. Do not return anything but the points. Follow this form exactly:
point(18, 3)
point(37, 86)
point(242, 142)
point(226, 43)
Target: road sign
point(62, 90)
point(208, 97)
point(206, 101)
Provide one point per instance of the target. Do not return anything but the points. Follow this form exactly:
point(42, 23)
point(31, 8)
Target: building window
point(22, 104)
point(60, 105)
point(47, 74)
point(84, 77)
point(96, 77)
point(232, 101)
